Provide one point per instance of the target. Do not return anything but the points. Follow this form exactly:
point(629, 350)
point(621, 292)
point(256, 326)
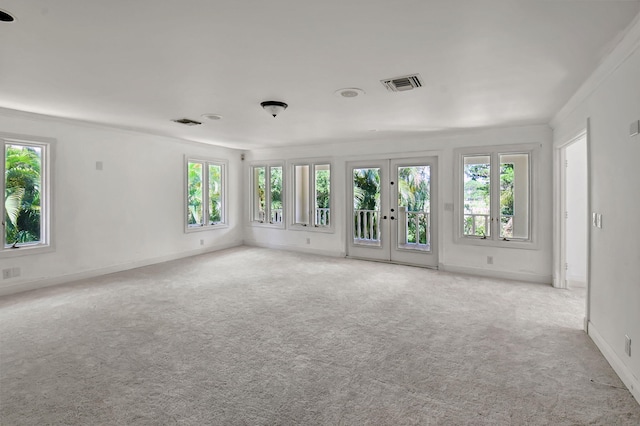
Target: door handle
point(384, 217)
point(392, 218)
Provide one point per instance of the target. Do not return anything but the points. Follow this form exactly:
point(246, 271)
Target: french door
point(393, 213)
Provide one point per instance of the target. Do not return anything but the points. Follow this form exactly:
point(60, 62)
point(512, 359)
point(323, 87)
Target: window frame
point(205, 226)
point(494, 152)
point(312, 226)
point(252, 193)
point(46, 203)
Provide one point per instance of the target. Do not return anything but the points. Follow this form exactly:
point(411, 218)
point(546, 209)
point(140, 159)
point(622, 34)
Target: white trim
point(533, 149)
point(47, 145)
point(224, 166)
point(91, 273)
point(626, 375)
point(620, 53)
point(507, 275)
point(268, 165)
point(291, 194)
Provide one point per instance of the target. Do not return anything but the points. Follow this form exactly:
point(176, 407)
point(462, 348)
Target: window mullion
point(312, 195)
point(205, 193)
point(267, 194)
point(495, 196)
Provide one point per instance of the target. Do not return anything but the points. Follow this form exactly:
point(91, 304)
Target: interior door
point(393, 210)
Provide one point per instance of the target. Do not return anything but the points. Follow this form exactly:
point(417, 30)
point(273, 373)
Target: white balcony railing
point(276, 216)
point(323, 217)
point(366, 225)
point(420, 221)
point(480, 223)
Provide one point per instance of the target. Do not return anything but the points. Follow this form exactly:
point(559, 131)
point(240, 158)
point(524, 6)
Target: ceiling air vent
point(188, 122)
point(401, 84)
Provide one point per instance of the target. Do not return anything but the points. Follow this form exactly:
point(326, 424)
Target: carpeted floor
point(252, 336)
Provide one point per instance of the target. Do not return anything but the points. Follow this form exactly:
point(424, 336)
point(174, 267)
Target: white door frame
point(559, 222)
point(388, 251)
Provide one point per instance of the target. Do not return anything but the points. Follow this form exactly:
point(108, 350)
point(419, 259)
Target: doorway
point(574, 219)
point(393, 214)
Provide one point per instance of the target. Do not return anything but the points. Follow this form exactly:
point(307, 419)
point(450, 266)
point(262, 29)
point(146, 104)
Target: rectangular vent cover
point(188, 122)
point(402, 84)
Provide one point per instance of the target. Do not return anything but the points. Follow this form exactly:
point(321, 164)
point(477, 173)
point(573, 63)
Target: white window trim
point(46, 200)
point(206, 226)
point(533, 149)
point(311, 162)
point(267, 165)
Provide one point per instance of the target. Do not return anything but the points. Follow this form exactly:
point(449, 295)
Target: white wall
point(129, 214)
point(533, 265)
point(611, 101)
point(576, 207)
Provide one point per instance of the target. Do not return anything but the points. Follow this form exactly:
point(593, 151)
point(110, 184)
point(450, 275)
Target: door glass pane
point(514, 196)
point(323, 194)
point(276, 194)
point(477, 195)
point(194, 189)
point(366, 206)
point(215, 193)
point(414, 221)
point(301, 188)
point(23, 180)
point(259, 194)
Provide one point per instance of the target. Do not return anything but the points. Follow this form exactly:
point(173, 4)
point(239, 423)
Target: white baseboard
point(67, 278)
point(492, 273)
point(300, 249)
point(630, 381)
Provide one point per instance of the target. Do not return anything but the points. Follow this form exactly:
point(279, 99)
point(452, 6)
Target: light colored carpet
point(251, 336)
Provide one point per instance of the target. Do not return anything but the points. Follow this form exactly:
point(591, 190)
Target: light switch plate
point(599, 221)
point(594, 219)
point(634, 129)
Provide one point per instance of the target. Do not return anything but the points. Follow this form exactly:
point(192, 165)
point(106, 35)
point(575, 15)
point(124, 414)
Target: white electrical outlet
point(15, 272)
point(627, 345)
point(308, 240)
point(489, 260)
point(6, 273)
point(201, 242)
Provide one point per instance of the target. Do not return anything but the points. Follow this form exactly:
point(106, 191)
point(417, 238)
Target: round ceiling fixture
point(350, 92)
point(6, 17)
point(273, 107)
point(212, 117)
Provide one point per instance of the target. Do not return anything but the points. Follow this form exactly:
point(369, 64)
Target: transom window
point(312, 194)
point(267, 195)
point(25, 211)
point(496, 195)
point(206, 206)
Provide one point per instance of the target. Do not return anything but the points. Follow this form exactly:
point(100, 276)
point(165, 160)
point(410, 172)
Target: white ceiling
point(141, 63)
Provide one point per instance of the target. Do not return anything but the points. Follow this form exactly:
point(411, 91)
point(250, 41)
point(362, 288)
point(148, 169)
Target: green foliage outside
point(413, 194)
point(22, 194)
point(323, 190)
point(366, 196)
point(276, 188)
point(477, 196)
point(195, 195)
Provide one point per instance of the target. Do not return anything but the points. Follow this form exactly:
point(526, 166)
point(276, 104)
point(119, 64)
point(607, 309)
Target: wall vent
point(402, 84)
point(188, 122)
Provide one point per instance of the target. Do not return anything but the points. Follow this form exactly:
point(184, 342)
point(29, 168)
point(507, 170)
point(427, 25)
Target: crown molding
point(629, 43)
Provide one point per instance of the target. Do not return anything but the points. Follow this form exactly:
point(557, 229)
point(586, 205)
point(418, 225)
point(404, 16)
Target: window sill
point(8, 253)
point(267, 225)
point(205, 228)
point(511, 244)
point(323, 229)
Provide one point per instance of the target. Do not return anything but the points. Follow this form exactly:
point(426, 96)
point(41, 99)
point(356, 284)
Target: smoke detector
point(350, 92)
point(402, 84)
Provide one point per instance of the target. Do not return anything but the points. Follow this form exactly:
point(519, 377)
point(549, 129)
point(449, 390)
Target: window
point(25, 210)
point(205, 194)
point(267, 194)
point(312, 195)
point(496, 198)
